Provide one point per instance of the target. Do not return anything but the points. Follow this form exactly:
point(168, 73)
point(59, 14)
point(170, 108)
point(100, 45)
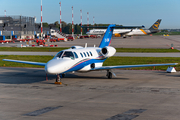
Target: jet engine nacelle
point(108, 51)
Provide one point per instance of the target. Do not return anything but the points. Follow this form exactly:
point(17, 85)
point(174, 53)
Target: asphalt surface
point(118, 42)
point(133, 94)
point(130, 42)
point(117, 54)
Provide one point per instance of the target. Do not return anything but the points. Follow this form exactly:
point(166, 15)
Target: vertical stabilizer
point(107, 36)
point(155, 26)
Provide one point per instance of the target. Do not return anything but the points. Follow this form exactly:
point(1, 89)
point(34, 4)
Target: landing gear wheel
point(63, 75)
point(109, 74)
point(58, 80)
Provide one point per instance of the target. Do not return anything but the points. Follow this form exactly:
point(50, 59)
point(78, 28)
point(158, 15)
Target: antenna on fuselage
point(85, 45)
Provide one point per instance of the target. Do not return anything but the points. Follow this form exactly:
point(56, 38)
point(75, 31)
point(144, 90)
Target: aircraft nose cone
point(51, 67)
point(55, 66)
point(48, 69)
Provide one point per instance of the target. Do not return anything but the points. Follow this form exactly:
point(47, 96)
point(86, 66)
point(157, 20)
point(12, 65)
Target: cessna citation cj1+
point(84, 59)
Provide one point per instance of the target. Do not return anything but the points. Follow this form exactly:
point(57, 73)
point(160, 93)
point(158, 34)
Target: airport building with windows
point(19, 27)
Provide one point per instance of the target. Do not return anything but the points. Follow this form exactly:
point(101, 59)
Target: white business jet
point(84, 59)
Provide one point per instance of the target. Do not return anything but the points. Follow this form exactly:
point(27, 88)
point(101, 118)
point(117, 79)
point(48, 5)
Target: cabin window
point(84, 54)
point(76, 56)
point(81, 55)
point(68, 54)
point(59, 54)
point(87, 53)
point(90, 53)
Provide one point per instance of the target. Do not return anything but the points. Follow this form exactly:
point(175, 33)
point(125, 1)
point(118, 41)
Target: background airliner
point(128, 32)
point(84, 59)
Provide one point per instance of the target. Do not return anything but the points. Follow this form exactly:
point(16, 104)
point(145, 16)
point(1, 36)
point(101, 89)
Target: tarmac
point(118, 42)
point(117, 54)
point(133, 94)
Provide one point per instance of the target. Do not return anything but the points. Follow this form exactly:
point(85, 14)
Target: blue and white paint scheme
point(84, 59)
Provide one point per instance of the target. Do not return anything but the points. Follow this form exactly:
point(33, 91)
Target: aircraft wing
point(26, 62)
point(132, 66)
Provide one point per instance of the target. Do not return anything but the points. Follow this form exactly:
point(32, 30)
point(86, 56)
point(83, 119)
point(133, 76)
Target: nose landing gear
point(58, 80)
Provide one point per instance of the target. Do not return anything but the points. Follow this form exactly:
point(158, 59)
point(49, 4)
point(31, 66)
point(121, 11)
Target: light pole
point(72, 24)
point(81, 21)
point(41, 22)
point(60, 18)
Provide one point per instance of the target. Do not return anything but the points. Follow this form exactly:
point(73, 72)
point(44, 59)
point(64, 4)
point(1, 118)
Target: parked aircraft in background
point(84, 59)
point(128, 32)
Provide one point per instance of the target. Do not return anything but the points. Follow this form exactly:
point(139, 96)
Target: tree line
point(67, 27)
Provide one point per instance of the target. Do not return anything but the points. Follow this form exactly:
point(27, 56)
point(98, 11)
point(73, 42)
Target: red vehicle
point(70, 38)
point(57, 40)
point(40, 42)
point(81, 37)
point(93, 36)
point(53, 40)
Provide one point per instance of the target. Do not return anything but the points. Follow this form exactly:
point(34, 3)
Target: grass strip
point(33, 49)
point(146, 50)
point(143, 60)
point(112, 61)
point(57, 49)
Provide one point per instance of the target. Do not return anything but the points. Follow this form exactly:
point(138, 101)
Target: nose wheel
point(58, 80)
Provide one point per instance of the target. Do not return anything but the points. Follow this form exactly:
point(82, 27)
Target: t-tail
point(155, 26)
point(106, 41)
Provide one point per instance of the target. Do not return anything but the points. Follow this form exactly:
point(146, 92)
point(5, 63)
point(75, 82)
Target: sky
point(123, 12)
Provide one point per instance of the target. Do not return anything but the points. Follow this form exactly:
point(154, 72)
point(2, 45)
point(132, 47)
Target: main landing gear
point(109, 74)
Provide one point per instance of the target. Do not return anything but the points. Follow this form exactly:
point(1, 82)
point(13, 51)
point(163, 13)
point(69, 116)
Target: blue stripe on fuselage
point(83, 64)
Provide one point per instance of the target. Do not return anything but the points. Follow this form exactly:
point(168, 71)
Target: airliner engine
point(108, 51)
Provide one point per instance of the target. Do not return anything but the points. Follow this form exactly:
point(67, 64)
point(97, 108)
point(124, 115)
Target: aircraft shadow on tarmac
point(169, 74)
point(90, 76)
point(173, 75)
point(31, 75)
point(21, 75)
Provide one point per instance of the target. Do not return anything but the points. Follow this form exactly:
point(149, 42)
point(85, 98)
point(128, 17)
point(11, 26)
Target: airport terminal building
point(19, 27)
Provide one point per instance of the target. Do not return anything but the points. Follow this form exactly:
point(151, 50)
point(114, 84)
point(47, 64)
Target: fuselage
point(127, 32)
point(79, 59)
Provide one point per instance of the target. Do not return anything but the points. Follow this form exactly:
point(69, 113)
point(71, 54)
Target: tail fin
point(155, 26)
point(107, 36)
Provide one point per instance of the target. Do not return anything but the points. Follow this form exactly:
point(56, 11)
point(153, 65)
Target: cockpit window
point(59, 54)
point(68, 54)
